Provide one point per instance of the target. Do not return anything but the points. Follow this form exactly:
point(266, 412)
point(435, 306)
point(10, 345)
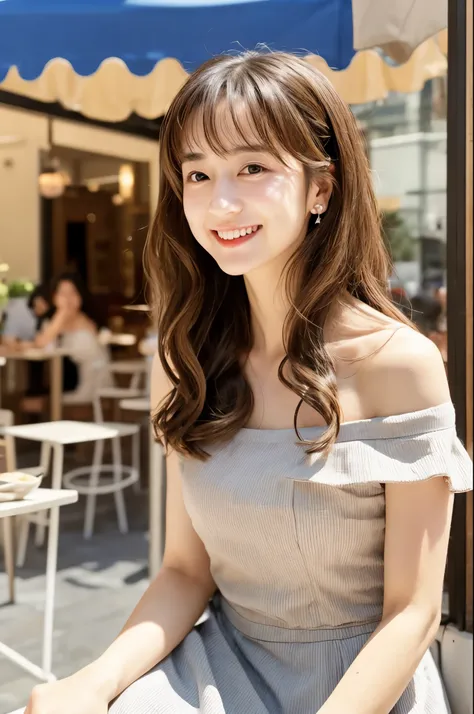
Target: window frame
point(457, 289)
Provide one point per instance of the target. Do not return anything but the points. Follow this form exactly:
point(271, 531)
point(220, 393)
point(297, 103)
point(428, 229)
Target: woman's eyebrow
point(243, 149)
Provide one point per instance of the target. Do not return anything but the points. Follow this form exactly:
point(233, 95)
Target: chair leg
point(97, 409)
point(93, 483)
point(118, 495)
point(9, 551)
point(136, 460)
point(135, 381)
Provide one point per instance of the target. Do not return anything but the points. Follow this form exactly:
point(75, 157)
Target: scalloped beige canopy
point(397, 26)
point(113, 93)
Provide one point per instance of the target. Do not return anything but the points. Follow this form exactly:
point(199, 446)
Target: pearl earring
point(318, 209)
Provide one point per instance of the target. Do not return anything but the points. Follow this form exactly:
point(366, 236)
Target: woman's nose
point(225, 200)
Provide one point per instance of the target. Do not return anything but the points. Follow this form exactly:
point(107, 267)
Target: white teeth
point(237, 233)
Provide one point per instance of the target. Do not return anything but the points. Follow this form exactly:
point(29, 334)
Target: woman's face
point(246, 208)
point(67, 297)
point(40, 306)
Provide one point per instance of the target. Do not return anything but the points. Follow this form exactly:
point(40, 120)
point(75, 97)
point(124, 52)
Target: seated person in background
point(72, 328)
point(439, 334)
point(429, 317)
point(40, 306)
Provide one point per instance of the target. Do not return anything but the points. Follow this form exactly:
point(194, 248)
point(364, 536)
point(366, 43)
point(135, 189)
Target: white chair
point(54, 436)
point(157, 489)
point(136, 369)
point(9, 457)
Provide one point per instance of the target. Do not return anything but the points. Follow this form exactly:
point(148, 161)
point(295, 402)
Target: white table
point(157, 490)
point(118, 339)
point(53, 437)
point(40, 500)
point(54, 356)
point(138, 307)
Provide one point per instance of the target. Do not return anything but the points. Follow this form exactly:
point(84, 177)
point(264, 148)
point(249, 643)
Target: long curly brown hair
point(203, 314)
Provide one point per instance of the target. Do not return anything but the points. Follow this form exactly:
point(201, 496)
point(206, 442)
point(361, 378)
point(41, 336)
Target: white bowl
point(15, 485)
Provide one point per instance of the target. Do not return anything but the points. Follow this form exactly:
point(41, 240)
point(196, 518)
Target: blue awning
point(143, 32)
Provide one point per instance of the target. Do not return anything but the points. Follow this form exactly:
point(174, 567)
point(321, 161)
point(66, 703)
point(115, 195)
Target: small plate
point(15, 485)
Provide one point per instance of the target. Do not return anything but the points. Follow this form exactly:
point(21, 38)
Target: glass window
point(406, 139)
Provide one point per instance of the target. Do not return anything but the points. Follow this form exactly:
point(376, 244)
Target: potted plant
point(20, 289)
point(3, 299)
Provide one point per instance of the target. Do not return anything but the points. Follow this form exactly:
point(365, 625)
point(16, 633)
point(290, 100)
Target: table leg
point(58, 464)
point(45, 461)
point(51, 567)
point(8, 547)
point(51, 563)
point(156, 506)
point(56, 376)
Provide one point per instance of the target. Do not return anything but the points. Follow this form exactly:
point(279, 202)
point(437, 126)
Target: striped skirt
point(230, 665)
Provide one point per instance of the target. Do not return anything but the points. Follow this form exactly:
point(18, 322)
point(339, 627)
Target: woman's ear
point(318, 196)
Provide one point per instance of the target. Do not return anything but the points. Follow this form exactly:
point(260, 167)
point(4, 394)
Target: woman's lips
point(237, 236)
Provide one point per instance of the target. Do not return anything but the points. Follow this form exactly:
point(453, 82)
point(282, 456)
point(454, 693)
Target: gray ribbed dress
point(296, 549)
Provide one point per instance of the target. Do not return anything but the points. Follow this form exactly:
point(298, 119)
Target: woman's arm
point(418, 522)
point(175, 599)
point(52, 330)
point(170, 606)
point(418, 518)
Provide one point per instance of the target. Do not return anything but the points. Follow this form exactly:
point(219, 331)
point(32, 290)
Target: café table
point(54, 357)
point(117, 339)
point(41, 499)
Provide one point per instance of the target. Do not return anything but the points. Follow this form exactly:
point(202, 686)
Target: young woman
point(71, 327)
point(311, 442)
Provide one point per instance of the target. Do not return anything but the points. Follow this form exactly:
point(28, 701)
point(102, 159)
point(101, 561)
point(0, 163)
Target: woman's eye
point(253, 169)
point(197, 177)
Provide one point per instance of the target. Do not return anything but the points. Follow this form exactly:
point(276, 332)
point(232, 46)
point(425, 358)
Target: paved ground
point(99, 582)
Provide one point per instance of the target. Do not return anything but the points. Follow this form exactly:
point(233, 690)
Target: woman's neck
point(269, 307)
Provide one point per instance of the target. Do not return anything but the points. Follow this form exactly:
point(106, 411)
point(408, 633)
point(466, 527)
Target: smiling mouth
point(237, 235)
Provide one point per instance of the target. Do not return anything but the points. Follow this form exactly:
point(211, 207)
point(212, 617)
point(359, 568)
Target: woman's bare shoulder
point(406, 374)
point(359, 331)
point(398, 370)
point(83, 322)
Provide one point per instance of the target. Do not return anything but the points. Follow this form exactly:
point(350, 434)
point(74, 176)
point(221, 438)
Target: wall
point(19, 200)
point(20, 228)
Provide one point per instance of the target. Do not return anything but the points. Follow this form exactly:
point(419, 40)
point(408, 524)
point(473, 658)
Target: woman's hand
point(51, 331)
point(75, 695)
